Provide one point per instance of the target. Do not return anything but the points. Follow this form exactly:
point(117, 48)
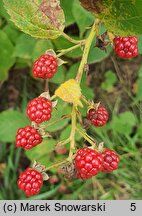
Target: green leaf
point(66, 134)
point(71, 73)
point(62, 43)
point(3, 12)
point(83, 18)
point(122, 17)
point(123, 123)
point(41, 151)
point(42, 19)
point(6, 51)
point(67, 8)
point(139, 130)
point(24, 47)
point(110, 79)
point(59, 76)
point(22, 63)
point(10, 121)
point(97, 55)
point(86, 90)
point(62, 109)
point(40, 47)
point(12, 33)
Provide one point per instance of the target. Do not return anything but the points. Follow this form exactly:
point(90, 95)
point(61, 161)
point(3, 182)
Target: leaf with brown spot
point(120, 17)
point(94, 6)
point(39, 18)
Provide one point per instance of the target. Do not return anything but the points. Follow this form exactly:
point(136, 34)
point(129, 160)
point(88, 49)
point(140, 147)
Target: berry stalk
point(71, 39)
point(55, 122)
point(64, 51)
point(56, 165)
point(85, 100)
point(87, 138)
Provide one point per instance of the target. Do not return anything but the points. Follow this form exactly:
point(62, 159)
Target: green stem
point(87, 137)
point(63, 142)
point(53, 97)
point(55, 122)
point(72, 135)
point(71, 39)
point(64, 51)
point(88, 43)
point(55, 165)
point(85, 100)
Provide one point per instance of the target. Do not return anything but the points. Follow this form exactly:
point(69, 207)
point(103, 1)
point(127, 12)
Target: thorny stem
point(88, 43)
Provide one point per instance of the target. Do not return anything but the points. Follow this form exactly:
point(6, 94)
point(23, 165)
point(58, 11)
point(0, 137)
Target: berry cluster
point(87, 162)
point(90, 162)
point(38, 110)
point(126, 47)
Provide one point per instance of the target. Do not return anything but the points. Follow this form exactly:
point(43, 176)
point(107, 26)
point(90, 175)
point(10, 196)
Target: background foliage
point(117, 83)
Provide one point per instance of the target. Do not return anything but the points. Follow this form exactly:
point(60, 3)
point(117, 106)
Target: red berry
point(111, 160)
point(30, 181)
point(27, 138)
point(99, 116)
point(39, 109)
point(45, 66)
point(126, 47)
point(88, 163)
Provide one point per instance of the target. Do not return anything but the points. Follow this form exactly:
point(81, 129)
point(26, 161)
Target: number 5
point(133, 207)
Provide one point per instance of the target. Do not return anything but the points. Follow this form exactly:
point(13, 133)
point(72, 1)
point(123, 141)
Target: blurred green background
point(115, 82)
